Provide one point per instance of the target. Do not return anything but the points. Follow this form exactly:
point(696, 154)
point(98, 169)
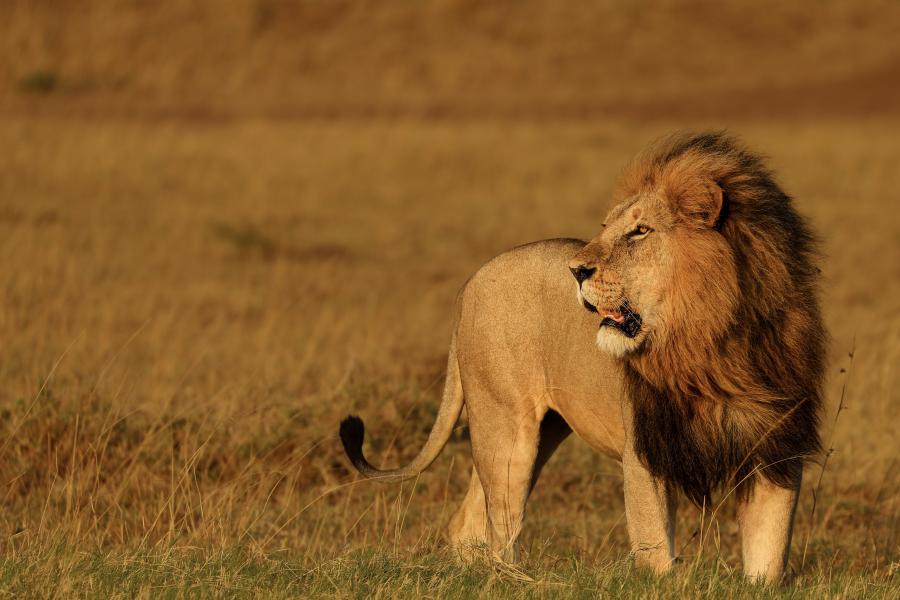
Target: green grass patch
point(40, 81)
point(235, 573)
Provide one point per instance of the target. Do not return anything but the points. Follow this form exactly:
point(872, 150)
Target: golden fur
point(705, 289)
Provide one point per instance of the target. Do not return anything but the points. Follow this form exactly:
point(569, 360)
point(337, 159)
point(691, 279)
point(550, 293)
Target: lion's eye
point(639, 231)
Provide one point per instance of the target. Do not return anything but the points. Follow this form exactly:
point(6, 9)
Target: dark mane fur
point(717, 403)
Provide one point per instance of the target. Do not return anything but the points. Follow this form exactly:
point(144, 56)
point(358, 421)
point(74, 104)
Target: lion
point(701, 293)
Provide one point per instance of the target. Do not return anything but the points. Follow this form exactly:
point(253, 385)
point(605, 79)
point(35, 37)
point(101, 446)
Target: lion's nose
point(582, 272)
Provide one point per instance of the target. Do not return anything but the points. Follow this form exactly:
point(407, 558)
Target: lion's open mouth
point(622, 318)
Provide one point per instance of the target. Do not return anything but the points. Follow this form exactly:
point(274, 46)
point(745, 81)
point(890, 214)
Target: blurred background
point(225, 225)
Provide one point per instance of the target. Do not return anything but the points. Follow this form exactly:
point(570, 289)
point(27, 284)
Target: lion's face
point(619, 273)
point(649, 272)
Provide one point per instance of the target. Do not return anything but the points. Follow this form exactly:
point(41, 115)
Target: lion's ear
point(702, 202)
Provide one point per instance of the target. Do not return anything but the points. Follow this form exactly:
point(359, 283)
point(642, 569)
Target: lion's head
point(659, 263)
point(704, 281)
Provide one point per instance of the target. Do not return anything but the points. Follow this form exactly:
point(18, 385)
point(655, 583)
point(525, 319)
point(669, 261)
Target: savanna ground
point(223, 229)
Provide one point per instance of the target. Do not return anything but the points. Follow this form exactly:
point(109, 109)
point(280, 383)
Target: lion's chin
point(614, 342)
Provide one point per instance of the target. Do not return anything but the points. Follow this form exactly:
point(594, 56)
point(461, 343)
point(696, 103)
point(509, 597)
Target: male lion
point(704, 288)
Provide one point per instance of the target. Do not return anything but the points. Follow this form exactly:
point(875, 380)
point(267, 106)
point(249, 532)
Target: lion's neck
point(702, 422)
point(698, 374)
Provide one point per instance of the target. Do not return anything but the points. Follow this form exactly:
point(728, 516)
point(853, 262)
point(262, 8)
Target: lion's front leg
point(650, 507)
point(767, 522)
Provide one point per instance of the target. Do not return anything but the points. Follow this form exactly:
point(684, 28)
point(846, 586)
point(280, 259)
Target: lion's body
point(523, 351)
point(704, 287)
point(523, 357)
point(522, 340)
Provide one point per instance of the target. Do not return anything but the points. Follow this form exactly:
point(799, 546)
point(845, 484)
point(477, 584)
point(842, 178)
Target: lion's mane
point(732, 385)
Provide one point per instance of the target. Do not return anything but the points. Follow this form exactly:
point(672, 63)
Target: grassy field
point(208, 258)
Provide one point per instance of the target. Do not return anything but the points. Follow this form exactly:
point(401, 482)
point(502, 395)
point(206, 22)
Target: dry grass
point(445, 58)
point(189, 305)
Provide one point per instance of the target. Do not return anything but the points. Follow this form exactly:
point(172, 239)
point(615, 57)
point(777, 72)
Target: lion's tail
point(353, 431)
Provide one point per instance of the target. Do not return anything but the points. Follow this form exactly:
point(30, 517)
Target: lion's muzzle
point(623, 318)
point(582, 272)
point(617, 314)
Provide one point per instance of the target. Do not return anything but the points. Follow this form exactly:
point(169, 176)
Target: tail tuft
point(352, 433)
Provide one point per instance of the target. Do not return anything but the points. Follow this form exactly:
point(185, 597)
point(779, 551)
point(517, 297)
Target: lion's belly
point(523, 337)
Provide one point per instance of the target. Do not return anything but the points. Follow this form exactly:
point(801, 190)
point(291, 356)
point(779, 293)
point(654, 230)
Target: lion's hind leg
point(504, 454)
point(508, 452)
point(468, 526)
point(468, 529)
